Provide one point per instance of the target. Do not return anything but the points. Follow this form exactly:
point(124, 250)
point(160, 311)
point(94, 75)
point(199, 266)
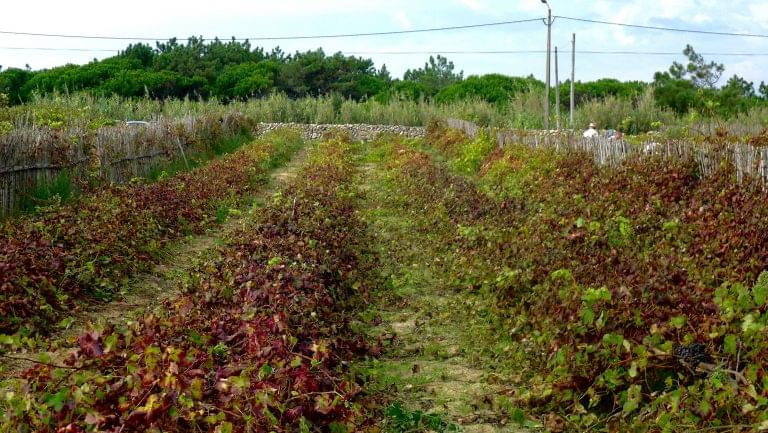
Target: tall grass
point(524, 110)
point(59, 110)
point(60, 189)
point(748, 124)
point(632, 117)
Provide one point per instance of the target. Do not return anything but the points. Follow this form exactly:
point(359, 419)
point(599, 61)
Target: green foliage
point(220, 146)
point(59, 190)
point(471, 156)
point(314, 74)
point(12, 81)
point(692, 87)
point(5, 127)
point(633, 116)
point(494, 88)
point(677, 94)
point(437, 74)
point(700, 73)
point(230, 70)
point(619, 278)
point(601, 89)
point(403, 421)
point(410, 90)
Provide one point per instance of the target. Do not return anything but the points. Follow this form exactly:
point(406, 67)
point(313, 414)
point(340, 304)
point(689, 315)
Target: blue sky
point(251, 18)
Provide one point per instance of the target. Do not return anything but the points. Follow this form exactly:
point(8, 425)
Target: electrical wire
point(60, 49)
point(453, 52)
point(285, 38)
point(667, 29)
point(423, 30)
point(396, 32)
point(647, 53)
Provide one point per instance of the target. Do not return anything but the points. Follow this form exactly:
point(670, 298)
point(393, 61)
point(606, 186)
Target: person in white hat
point(591, 132)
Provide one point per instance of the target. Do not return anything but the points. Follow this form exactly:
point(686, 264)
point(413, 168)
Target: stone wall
point(358, 132)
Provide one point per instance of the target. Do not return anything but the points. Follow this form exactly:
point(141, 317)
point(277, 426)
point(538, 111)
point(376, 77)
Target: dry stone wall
point(358, 132)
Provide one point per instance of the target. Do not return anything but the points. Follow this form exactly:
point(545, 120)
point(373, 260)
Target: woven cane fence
point(747, 160)
point(34, 156)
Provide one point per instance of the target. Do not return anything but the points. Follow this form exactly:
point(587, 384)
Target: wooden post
point(549, 49)
point(573, 78)
point(181, 150)
point(557, 92)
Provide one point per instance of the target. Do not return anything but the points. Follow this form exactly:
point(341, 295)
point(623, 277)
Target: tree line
point(232, 70)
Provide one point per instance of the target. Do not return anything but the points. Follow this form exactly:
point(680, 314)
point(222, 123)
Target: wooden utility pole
point(573, 78)
point(549, 60)
point(557, 92)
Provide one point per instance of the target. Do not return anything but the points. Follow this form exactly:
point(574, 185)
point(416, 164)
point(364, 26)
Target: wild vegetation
point(59, 111)
point(353, 89)
point(638, 291)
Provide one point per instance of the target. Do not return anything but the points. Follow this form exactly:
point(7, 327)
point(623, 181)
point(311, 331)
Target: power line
point(453, 52)
point(661, 53)
point(59, 49)
point(393, 32)
point(399, 32)
point(647, 53)
point(284, 38)
point(667, 29)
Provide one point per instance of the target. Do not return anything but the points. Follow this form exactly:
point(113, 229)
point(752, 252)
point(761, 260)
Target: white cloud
point(759, 12)
point(472, 4)
point(531, 5)
point(646, 11)
point(701, 18)
point(744, 68)
point(402, 19)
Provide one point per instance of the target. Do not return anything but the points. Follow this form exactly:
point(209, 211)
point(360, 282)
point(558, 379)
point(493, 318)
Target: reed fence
point(34, 156)
point(747, 160)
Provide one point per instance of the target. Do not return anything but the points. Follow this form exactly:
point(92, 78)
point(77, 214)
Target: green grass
point(287, 143)
point(452, 354)
point(219, 148)
point(402, 420)
point(59, 190)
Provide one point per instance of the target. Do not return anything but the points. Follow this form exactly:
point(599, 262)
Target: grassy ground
point(445, 365)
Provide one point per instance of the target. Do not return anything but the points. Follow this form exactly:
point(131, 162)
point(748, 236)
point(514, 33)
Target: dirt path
point(148, 290)
point(447, 368)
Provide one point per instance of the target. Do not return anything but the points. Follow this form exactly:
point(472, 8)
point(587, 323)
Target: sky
point(263, 18)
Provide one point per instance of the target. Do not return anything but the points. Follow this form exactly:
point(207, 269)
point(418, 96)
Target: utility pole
point(573, 77)
point(549, 60)
point(557, 91)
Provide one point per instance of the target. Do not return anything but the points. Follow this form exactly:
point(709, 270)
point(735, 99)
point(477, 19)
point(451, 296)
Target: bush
point(494, 88)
